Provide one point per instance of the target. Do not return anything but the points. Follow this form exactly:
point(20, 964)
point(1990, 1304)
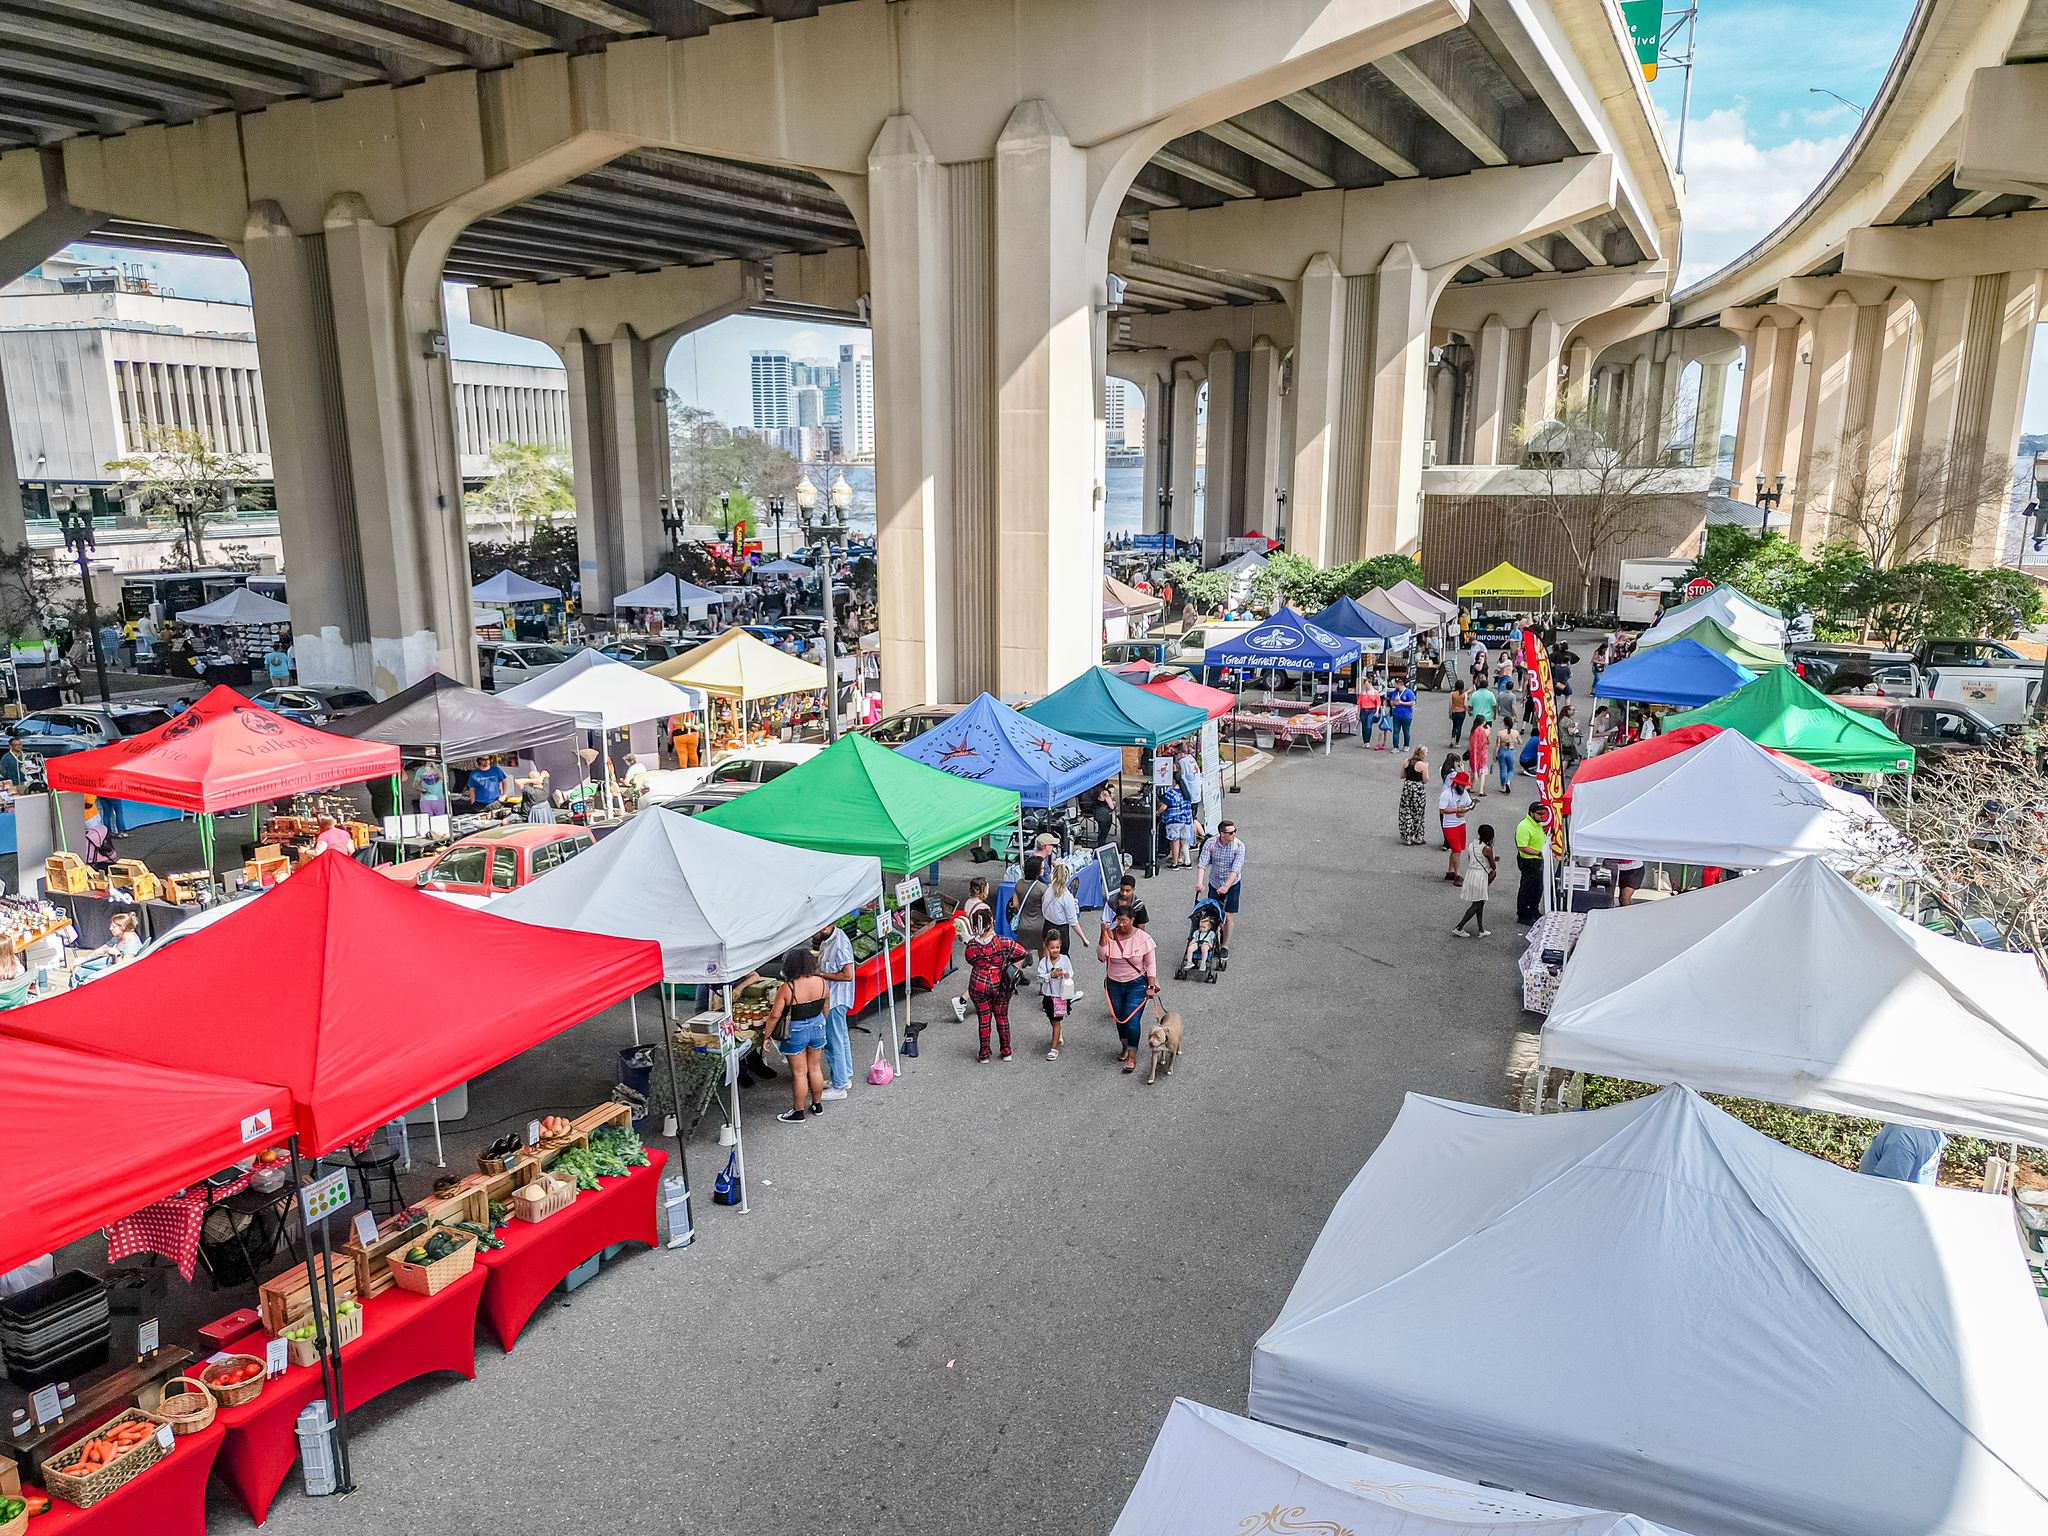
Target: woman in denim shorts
point(796, 1023)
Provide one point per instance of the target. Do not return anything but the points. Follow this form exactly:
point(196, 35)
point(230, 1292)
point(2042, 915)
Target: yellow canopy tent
point(1502, 581)
point(737, 665)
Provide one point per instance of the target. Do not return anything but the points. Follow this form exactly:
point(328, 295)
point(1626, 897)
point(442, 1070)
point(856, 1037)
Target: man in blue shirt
point(1909, 1153)
point(1219, 873)
point(486, 784)
point(1403, 699)
point(835, 965)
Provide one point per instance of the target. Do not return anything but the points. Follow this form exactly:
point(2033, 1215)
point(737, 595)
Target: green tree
point(527, 485)
point(549, 556)
point(708, 461)
point(1205, 589)
point(185, 487)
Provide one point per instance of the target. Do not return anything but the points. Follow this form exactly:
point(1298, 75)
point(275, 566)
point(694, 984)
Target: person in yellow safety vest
point(1530, 836)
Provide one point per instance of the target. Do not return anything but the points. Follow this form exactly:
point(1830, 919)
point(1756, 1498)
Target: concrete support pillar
point(1158, 446)
point(1892, 411)
point(1318, 399)
point(1706, 423)
point(1638, 424)
point(618, 430)
point(1581, 380)
point(1265, 436)
point(1846, 340)
point(1768, 384)
point(1492, 428)
point(1223, 452)
point(363, 447)
point(1400, 362)
point(1542, 351)
point(13, 520)
point(1187, 400)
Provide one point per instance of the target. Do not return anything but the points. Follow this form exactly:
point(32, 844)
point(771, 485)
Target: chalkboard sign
point(1111, 858)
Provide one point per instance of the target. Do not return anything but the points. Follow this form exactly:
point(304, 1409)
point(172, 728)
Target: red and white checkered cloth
point(169, 1227)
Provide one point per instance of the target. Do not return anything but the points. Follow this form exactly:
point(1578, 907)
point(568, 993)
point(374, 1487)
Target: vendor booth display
point(1738, 614)
point(601, 693)
point(1781, 710)
point(1213, 1471)
point(1794, 987)
point(1757, 655)
point(1129, 598)
point(1705, 1283)
point(240, 605)
point(669, 593)
point(1505, 583)
point(1375, 633)
point(440, 717)
point(858, 797)
point(1292, 643)
point(511, 587)
point(1101, 707)
point(222, 754)
point(1728, 802)
point(1683, 672)
point(990, 743)
point(1654, 749)
point(748, 679)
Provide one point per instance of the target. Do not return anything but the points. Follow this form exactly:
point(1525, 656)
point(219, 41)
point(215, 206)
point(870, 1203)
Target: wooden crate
point(134, 877)
point(499, 1186)
point(466, 1203)
point(609, 1113)
point(67, 874)
point(371, 1275)
point(282, 1296)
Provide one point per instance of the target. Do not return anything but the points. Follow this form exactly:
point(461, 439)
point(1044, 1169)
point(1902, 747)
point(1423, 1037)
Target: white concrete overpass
point(1886, 327)
point(1303, 196)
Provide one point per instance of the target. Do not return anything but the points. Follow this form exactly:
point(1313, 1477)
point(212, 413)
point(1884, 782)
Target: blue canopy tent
point(1114, 712)
point(1375, 633)
point(991, 743)
point(1288, 641)
point(1681, 672)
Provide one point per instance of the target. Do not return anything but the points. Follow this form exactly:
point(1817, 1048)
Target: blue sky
point(1759, 139)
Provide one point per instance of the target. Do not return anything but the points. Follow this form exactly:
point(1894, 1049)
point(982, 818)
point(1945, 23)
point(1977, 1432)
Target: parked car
point(648, 650)
point(1857, 669)
point(495, 860)
point(1932, 727)
point(1968, 653)
point(1118, 653)
point(81, 727)
point(906, 724)
point(705, 797)
point(746, 768)
point(508, 663)
point(313, 703)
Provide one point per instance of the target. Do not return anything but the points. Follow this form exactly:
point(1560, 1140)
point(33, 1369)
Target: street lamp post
point(829, 530)
point(1767, 503)
point(74, 516)
point(776, 507)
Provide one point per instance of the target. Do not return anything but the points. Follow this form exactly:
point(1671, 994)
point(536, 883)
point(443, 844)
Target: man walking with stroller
point(1219, 873)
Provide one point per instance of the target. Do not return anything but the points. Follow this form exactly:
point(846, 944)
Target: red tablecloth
point(403, 1336)
point(167, 1500)
point(931, 955)
point(169, 1227)
point(538, 1254)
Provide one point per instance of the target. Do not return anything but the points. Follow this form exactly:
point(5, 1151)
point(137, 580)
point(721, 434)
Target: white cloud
point(1736, 191)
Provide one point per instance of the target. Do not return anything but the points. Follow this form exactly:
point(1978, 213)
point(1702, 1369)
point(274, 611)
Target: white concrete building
point(856, 403)
point(771, 380)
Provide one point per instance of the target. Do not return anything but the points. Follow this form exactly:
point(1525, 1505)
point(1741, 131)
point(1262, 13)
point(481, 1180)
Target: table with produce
point(930, 950)
point(131, 1478)
point(596, 1192)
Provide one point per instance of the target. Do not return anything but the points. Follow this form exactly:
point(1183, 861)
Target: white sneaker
point(1459, 933)
point(959, 1011)
point(1485, 933)
point(833, 1093)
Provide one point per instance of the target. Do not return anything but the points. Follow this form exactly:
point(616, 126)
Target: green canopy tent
point(1099, 706)
point(1782, 712)
point(1716, 636)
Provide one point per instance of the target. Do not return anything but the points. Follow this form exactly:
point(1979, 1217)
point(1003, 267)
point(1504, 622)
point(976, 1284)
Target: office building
point(857, 403)
point(807, 406)
point(771, 380)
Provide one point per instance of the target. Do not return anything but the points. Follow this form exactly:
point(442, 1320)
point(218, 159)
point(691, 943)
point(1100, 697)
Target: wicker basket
point(430, 1279)
point(243, 1392)
point(561, 1194)
point(17, 1525)
point(347, 1329)
point(189, 1410)
point(87, 1489)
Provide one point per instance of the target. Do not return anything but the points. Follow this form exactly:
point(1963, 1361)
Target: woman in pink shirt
point(1130, 975)
point(1478, 751)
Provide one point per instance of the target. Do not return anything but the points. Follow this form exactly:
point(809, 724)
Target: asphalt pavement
point(964, 1301)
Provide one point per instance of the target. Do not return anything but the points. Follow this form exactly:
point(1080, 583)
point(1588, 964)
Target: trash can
point(636, 1071)
point(315, 1428)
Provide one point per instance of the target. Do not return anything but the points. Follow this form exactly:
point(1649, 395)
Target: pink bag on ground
point(881, 1074)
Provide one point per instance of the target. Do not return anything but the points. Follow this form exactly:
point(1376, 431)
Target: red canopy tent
point(361, 996)
point(221, 754)
point(64, 1174)
point(1185, 690)
point(1656, 749)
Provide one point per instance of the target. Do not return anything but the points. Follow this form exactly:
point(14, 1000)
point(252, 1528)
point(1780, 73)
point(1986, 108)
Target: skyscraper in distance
point(856, 402)
point(771, 380)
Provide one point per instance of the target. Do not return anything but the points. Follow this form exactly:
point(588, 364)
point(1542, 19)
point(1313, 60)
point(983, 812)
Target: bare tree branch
point(1892, 508)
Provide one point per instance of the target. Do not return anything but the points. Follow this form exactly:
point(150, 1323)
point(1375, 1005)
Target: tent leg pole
point(889, 991)
point(328, 1384)
point(739, 1136)
point(439, 1160)
point(1330, 708)
point(633, 1003)
point(1234, 786)
point(675, 1093)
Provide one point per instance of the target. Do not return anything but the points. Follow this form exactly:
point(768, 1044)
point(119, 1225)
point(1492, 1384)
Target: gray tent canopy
point(437, 716)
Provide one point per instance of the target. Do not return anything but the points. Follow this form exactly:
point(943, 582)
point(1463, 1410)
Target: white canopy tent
point(669, 594)
point(1653, 1307)
point(1728, 802)
point(1213, 1471)
point(1735, 613)
point(604, 694)
point(1420, 614)
point(240, 606)
point(785, 567)
point(1408, 593)
point(1795, 987)
point(719, 903)
point(511, 587)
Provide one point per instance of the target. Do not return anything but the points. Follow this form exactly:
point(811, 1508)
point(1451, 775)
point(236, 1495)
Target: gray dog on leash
point(1164, 1038)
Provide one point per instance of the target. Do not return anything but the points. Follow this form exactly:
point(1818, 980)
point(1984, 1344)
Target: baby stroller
point(1205, 938)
